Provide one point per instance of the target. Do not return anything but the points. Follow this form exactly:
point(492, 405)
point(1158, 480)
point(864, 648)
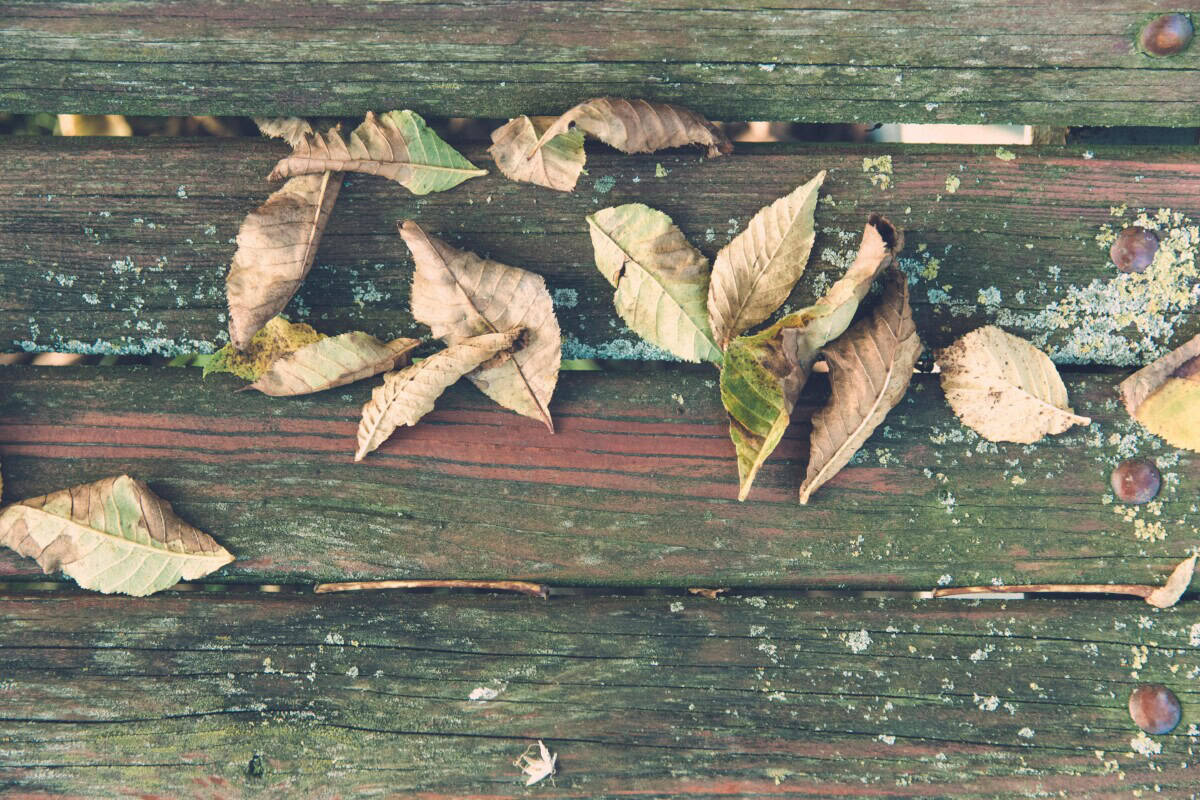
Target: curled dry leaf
point(291, 129)
point(114, 535)
point(1165, 396)
point(638, 126)
point(870, 368)
point(1004, 388)
point(407, 395)
point(763, 374)
point(555, 165)
point(398, 146)
point(661, 280)
point(276, 339)
point(755, 272)
point(1169, 593)
point(276, 246)
point(332, 361)
point(536, 762)
point(460, 295)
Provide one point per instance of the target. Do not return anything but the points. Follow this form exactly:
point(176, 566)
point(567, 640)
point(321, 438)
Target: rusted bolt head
point(1134, 249)
point(1166, 35)
point(1154, 708)
point(1136, 481)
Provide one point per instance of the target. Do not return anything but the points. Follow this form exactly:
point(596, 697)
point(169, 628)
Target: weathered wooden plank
point(638, 486)
point(122, 246)
point(1071, 62)
point(240, 696)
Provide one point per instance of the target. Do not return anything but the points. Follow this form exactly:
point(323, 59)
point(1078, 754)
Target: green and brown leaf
point(332, 361)
point(276, 339)
point(556, 165)
point(1165, 396)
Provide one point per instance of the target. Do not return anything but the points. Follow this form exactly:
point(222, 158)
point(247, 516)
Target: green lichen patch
point(277, 338)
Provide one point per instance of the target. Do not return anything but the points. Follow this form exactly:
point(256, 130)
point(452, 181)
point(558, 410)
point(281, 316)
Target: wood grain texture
point(637, 488)
point(122, 245)
point(1072, 62)
point(665, 697)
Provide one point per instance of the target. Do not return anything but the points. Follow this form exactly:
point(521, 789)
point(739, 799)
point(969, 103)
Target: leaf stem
point(523, 587)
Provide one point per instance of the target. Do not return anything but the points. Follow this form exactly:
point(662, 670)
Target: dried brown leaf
point(1169, 593)
point(1004, 388)
point(332, 361)
point(397, 145)
point(114, 535)
point(638, 126)
point(407, 395)
point(460, 295)
point(870, 367)
point(557, 165)
point(276, 246)
point(755, 272)
point(291, 129)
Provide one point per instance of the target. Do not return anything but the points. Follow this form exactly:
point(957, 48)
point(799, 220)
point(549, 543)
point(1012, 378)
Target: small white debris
point(334, 638)
point(767, 67)
point(886, 738)
point(1194, 635)
point(181, 192)
point(676, 607)
point(945, 580)
point(978, 655)
point(987, 703)
point(536, 767)
point(857, 641)
point(352, 672)
point(482, 694)
point(1025, 733)
point(1145, 745)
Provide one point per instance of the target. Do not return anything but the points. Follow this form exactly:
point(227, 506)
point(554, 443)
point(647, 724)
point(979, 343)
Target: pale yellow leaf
point(1165, 396)
point(459, 295)
point(661, 280)
point(638, 126)
point(755, 272)
point(332, 361)
point(114, 535)
point(870, 367)
point(276, 246)
point(397, 145)
point(762, 374)
point(557, 165)
point(406, 396)
point(1004, 388)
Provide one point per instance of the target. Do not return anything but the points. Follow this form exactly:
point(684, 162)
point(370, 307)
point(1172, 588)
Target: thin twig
point(1073, 588)
point(524, 587)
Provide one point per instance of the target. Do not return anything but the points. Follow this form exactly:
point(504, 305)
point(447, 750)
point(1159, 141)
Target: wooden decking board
point(1065, 63)
point(123, 245)
point(638, 486)
point(672, 696)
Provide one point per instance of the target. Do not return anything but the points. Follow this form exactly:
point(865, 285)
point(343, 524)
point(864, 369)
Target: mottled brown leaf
point(406, 396)
point(1004, 388)
point(870, 367)
point(397, 145)
point(291, 129)
point(114, 535)
point(638, 126)
point(1168, 594)
point(276, 246)
point(460, 295)
point(556, 165)
point(332, 361)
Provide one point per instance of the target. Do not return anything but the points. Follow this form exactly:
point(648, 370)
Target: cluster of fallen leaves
point(667, 293)
point(498, 329)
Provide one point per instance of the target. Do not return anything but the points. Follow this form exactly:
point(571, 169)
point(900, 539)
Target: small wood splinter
point(523, 587)
point(1163, 596)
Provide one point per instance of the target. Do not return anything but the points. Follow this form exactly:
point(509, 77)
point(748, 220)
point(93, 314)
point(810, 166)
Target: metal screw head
point(1136, 481)
point(1154, 708)
point(1134, 249)
point(1166, 35)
